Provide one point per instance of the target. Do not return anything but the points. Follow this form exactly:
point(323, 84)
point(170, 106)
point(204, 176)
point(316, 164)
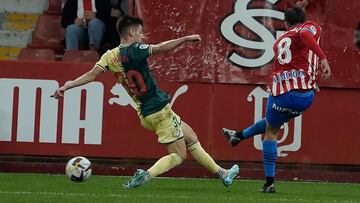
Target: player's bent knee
point(189, 136)
point(190, 140)
point(270, 136)
point(271, 132)
point(176, 158)
point(182, 155)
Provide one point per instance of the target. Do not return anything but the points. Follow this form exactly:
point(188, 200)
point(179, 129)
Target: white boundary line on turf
point(203, 179)
point(238, 197)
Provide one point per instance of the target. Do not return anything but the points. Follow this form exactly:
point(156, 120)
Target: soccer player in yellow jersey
point(128, 62)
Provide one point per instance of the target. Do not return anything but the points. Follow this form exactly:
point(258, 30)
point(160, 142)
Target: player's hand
point(59, 93)
point(193, 38)
point(88, 15)
point(302, 4)
point(116, 12)
point(325, 69)
point(79, 21)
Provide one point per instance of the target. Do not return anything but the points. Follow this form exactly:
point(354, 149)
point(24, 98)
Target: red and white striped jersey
point(295, 64)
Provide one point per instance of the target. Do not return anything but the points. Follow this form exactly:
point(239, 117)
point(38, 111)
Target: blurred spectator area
point(17, 22)
point(34, 26)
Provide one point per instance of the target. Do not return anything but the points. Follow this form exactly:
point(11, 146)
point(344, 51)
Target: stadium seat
point(54, 7)
point(48, 33)
point(36, 54)
point(81, 56)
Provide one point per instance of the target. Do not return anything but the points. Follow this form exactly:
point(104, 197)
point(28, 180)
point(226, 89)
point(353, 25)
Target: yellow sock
point(164, 164)
point(203, 158)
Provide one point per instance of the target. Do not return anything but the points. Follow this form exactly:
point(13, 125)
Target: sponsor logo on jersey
point(293, 74)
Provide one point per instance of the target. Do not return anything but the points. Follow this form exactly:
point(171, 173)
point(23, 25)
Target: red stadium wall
point(98, 121)
point(246, 29)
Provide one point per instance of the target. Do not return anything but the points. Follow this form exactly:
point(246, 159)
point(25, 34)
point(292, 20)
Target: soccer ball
point(78, 169)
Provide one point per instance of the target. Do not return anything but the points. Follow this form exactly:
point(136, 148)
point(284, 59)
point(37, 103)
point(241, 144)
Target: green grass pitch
point(58, 188)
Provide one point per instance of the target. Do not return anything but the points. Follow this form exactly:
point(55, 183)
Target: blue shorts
point(280, 109)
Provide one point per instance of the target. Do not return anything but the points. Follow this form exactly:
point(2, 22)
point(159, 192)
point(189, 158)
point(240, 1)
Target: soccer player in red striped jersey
point(296, 59)
point(293, 83)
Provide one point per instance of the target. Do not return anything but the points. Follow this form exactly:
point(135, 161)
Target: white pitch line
point(202, 179)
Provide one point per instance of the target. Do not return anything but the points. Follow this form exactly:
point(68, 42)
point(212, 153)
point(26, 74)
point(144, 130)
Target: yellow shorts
point(165, 123)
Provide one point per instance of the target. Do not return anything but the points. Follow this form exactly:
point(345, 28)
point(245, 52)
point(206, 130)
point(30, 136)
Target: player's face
point(138, 34)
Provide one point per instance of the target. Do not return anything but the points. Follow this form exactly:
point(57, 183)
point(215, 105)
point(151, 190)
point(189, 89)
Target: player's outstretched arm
point(82, 80)
point(173, 44)
point(308, 39)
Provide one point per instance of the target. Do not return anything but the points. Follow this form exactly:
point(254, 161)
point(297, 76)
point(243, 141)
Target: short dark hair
point(294, 16)
point(126, 21)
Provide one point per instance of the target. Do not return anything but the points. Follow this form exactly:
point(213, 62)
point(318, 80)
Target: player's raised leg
point(234, 136)
point(205, 160)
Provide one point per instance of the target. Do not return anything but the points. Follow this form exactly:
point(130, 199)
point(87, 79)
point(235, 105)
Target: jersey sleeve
point(103, 62)
point(309, 34)
point(141, 51)
point(313, 28)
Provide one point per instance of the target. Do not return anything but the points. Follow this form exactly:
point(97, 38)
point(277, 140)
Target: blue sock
point(256, 129)
point(269, 157)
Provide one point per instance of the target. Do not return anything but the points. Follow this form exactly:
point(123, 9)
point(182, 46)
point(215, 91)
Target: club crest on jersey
point(313, 30)
point(143, 46)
